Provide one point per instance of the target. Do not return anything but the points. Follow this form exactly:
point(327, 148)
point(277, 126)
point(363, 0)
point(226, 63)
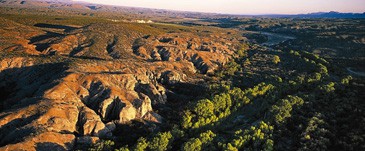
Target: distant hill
point(331, 14)
point(91, 8)
point(69, 4)
point(43, 3)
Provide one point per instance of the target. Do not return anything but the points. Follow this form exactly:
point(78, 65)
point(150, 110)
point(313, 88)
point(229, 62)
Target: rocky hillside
point(75, 76)
point(206, 53)
point(57, 99)
point(65, 85)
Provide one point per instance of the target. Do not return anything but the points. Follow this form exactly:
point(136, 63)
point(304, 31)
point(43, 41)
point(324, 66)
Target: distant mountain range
point(331, 14)
point(89, 6)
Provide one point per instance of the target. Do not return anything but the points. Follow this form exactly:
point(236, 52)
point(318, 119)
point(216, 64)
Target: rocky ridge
point(65, 86)
point(53, 99)
point(207, 53)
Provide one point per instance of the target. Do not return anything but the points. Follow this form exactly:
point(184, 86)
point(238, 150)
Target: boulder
point(91, 125)
point(171, 77)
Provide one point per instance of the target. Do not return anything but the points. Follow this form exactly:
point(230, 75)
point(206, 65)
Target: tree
point(315, 136)
point(322, 69)
point(284, 107)
point(222, 102)
point(281, 111)
point(125, 148)
point(160, 142)
point(231, 68)
point(141, 144)
point(246, 62)
point(327, 88)
point(229, 147)
point(207, 136)
point(193, 144)
point(257, 137)
point(186, 120)
point(104, 145)
point(204, 141)
point(242, 50)
point(204, 108)
point(276, 59)
point(346, 80)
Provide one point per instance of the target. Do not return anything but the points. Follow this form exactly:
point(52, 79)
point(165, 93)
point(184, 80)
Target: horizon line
point(220, 13)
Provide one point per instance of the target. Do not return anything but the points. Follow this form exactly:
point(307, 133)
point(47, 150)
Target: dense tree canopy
point(302, 110)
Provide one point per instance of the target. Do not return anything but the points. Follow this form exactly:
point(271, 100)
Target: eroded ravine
point(73, 87)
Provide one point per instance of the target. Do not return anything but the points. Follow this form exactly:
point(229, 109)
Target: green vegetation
point(285, 112)
point(276, 59)
point(255, 138)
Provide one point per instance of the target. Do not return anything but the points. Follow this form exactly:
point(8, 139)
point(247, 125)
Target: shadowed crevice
point(42, 42)
point(44, 25)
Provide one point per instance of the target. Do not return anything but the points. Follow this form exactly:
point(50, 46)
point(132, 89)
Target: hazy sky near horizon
point(245, 6)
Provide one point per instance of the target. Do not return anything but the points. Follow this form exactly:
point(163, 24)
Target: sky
point(245, 6)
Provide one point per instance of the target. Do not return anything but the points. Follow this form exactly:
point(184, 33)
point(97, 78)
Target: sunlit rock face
point(206, 53)
point(63, 86)
point(50, 100)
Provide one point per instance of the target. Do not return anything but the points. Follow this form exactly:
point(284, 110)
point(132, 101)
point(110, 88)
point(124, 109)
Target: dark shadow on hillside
point(42, 42)
point(27, 82)
point(48, 146)
point(188, 89)
point(14, 131)
point(44, 25)
point(179, 95)
point(79, 48)
point(44, 37)
point(20, 88)
point(130, 132)
point(110, 48)
point(94, 7)
point(106, 72)
point(87, 57)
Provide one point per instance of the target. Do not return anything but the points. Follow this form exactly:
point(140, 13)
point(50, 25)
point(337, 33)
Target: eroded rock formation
point(206, 53)
point(75, 85)
point(51, 99)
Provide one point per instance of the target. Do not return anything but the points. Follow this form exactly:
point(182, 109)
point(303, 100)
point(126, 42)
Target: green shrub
point(276, 59)
point(161, 142)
